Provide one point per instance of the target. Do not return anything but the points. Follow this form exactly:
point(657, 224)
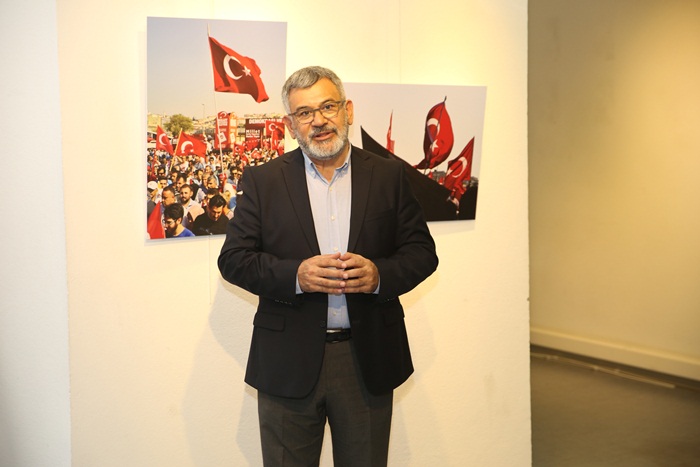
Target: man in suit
point(328, 236)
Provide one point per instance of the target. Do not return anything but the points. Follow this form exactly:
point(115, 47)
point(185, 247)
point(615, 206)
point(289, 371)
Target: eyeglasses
point(329, 110)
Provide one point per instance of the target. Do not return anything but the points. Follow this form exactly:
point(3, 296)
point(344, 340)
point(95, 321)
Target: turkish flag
point(251, 143)
point(154, 227)
point(459, 170)
point(235, 73)
point(190, 144)
point(438, 139)
point(389, 141)
point(275, 130)
point(163, 142)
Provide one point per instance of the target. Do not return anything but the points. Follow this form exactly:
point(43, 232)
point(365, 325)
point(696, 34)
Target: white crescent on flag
point(183, 148)
point(464, 163)
point(436, 123)
point(227, 67)
point(163, 139)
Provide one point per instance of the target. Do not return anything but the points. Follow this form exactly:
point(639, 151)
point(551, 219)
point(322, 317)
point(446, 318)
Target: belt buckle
point(333, 336)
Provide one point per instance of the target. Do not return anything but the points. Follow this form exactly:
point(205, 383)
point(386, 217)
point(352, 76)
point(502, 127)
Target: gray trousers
point(291, 430)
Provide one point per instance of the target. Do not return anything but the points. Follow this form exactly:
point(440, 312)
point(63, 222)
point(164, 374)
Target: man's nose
point(319, 118)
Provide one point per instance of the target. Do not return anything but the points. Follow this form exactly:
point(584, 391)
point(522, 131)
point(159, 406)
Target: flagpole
point(172, 159)
point(216, 118)
point(216, 137)
point(177, 148)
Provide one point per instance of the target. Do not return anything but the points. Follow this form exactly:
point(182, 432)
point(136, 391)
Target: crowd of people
point(193, 195)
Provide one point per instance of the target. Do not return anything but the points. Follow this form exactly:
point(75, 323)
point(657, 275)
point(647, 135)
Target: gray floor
point(587, 413)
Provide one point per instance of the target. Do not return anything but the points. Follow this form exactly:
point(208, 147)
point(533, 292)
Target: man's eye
point(303, 113)
point(328, 107)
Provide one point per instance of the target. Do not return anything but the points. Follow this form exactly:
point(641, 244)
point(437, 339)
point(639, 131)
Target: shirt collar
point(312, 170)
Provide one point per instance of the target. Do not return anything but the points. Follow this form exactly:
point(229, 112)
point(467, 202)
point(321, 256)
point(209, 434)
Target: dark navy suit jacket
point(272, 232)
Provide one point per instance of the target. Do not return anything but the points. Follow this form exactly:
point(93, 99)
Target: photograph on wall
point(214, 107)
point(435, 130)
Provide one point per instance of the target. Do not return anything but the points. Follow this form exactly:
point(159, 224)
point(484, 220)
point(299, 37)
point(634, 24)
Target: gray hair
point(307, 77)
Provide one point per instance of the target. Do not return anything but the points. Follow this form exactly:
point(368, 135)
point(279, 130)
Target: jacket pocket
point(269, 321)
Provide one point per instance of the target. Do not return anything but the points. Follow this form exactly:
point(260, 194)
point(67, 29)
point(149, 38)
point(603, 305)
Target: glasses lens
point(304, 115)
point(330, 109)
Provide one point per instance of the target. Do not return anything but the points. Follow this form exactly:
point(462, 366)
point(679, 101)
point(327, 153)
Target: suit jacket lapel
point(361, 179)
point(294, 174)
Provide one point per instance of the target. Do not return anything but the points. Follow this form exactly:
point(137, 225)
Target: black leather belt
point(333, 336)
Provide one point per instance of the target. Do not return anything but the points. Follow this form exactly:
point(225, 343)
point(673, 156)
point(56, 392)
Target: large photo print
point(435, 130)
point(213, 108)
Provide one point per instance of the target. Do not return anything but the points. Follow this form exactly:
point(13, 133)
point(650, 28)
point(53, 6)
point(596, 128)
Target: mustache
point(323, 129)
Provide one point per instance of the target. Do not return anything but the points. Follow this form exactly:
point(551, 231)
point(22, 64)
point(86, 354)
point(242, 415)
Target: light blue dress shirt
point(330, 205)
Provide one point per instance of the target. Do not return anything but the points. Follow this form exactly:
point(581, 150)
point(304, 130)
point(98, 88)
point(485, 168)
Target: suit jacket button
point(322, 324)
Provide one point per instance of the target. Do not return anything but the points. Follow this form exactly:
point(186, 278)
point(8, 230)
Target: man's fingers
point(321, 274)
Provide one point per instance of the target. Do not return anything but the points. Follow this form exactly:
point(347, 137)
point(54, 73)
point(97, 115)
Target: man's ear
point(290, 126)
point(350, 111)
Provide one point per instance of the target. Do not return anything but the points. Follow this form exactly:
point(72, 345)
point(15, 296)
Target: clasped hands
point(338, 274)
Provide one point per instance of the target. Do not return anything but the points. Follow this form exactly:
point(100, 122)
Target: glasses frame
point(294, 114)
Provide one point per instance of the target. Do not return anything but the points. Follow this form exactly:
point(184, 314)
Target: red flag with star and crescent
point(234, 72)
point(438, 139)
point(163, 142)
point(275, 131)
point(190, 144)
point(459, 170)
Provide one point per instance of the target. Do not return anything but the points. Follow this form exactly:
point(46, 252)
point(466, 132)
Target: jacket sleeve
point(413, 257)
point(244, 261)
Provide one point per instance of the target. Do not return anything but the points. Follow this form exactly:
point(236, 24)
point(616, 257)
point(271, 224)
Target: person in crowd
point(212, 182)
point(168, 195)
point(192, 208)
point(180, 181)
point(172, 222)
point(162, 182)
point(328, 236)
point(213, 221)
point(152, 189)
point(226, 189)
point(209, 194)
point(197, 184)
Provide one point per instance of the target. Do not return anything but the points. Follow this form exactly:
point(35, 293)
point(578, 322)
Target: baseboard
point(648, 359)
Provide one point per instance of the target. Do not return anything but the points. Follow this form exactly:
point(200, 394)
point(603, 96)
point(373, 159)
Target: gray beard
point(325, 151)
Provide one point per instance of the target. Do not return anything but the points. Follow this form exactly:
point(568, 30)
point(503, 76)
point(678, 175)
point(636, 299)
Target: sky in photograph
point(180, 77)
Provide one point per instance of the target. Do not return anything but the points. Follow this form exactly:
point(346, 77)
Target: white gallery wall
point(614, 163)
point(34, 386)
point(158, 342)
